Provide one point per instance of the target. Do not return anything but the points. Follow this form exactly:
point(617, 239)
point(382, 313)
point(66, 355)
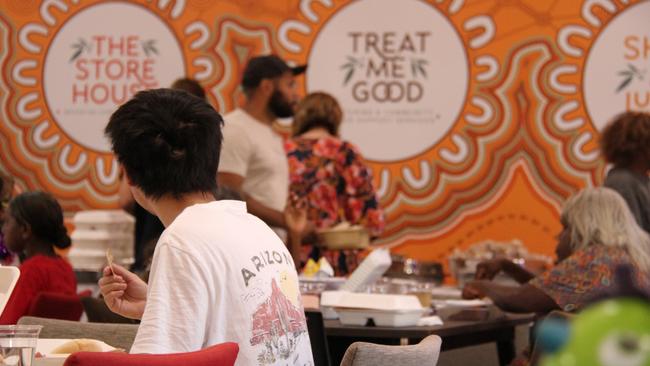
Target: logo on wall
point(603, 72)
point(414, 100)
point(442, 151)
point(617, 70)
point(406, 79)
point(92, 66)
point(71, 65)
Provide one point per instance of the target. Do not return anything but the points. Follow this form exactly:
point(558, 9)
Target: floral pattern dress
point(332, 178)
point(587, 273)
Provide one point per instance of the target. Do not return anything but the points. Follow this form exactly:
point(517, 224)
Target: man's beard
point(280, 106)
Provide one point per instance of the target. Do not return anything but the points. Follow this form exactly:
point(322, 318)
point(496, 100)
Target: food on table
point(78, 345)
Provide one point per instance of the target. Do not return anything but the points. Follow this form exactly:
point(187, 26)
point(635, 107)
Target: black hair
point(191, 86)
point(168, 142)
point(43, 215)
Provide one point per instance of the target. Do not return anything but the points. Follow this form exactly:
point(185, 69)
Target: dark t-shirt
point(635, 189)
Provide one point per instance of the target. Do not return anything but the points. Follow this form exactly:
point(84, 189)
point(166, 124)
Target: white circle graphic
point(401, 84)
point(101, 57)
point(616, 74)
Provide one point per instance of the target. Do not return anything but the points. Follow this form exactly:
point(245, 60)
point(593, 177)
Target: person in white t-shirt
point(253, 160)
point(218, 273)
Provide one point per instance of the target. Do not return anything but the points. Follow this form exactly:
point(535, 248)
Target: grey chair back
point(116, 335)
point(425, 353)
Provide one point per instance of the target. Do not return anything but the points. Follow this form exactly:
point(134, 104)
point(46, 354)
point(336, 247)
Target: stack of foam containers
point(95, 232)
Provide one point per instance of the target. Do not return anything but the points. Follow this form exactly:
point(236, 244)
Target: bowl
point(353, 237)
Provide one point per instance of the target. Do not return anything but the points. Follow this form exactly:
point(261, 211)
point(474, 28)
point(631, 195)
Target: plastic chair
point(223, 354)
point(56, 306)
point(85, 293)
point(368, 354)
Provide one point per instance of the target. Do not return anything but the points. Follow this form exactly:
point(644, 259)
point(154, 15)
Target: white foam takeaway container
point(114, 221)
point(406, 318)
point(95, 232)
point(384, 309)
point(385, 302)
point(369, 271)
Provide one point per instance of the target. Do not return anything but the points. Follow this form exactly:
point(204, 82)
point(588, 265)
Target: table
point(461, 329)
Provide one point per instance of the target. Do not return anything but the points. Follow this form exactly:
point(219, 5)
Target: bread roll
point(78, 345)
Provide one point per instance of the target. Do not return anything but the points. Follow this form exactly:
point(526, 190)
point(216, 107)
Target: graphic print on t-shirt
point(278, 324)
point(278, 328)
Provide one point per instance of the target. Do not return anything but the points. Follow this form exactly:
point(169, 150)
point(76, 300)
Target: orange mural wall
point(478, 118)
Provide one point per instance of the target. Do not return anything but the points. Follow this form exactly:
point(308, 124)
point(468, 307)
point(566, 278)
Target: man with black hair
point(147, 226)
point(218, 274)
point(253, 160)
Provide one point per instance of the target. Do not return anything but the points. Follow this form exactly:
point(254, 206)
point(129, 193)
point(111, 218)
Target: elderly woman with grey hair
point(599, 234)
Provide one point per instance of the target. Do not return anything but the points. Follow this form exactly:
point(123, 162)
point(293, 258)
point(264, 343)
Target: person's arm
point(487, 270)
point(270, 216)
point(124, 293)
point(517, 272)
point(575, 281)
point(297, 223)
point(519, 299)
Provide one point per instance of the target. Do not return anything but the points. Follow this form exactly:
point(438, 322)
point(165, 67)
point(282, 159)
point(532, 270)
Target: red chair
point(56, 306)
point(86, 293)
point(223, 354)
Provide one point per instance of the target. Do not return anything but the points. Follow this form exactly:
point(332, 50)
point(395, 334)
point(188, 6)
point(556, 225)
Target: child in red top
point(33, 226)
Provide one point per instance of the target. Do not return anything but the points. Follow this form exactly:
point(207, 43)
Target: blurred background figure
point(191, 86)
point(613, 331)
point(625, 143)
point(328, 175)
point(253, 162)
point(6, 192)
point(599, 234)
point(32, 229)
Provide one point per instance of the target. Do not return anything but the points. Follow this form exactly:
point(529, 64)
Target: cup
point(18, 344)
point(423, 291)
point(312, 288)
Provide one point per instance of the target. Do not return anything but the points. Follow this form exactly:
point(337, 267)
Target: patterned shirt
point(588, 272)
point(337, 184)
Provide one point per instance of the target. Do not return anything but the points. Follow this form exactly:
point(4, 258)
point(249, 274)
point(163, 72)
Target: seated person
point(6, 192)
point(599, 234)
point(218, 274)
point(329, 174)
point(33, 226)
point(625, 143)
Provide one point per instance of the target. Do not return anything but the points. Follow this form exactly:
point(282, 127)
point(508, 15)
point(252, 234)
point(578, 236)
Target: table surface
point(463, 322)
point(460, 328)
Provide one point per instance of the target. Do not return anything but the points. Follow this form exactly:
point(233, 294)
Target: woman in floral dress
point(328, 175)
